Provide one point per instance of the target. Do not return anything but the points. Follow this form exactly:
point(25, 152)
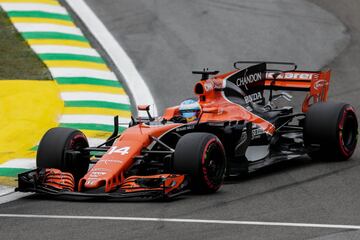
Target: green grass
point(17, 60)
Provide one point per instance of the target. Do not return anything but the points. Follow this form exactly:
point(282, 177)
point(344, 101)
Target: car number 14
point(121, 150)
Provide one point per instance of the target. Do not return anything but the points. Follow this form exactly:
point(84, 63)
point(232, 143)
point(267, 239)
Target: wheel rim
point(348, 132)
point(213, 163)
point(77, 142)
point(77, 168)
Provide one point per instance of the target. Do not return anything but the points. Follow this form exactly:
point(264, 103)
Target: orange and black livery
point(245, 120)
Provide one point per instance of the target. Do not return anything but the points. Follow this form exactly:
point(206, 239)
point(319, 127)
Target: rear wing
point(295, 80)
point(315, 83)
point(283, 76)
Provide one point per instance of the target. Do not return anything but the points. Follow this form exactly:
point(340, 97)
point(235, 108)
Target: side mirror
point(147, 109)
point(143, 107)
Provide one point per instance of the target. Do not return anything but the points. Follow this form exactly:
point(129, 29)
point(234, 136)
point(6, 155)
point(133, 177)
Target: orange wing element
point(318, 90)
point(316, 83)
point(298, 81)
point(164, 182)
point(54, 178)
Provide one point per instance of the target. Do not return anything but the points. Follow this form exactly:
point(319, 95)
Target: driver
point(189, 110)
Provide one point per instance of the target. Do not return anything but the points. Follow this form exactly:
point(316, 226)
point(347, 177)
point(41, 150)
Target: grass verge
point(17, 60)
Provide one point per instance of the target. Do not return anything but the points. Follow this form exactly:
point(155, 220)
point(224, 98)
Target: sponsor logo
point(208, 86)
point(243, 137)
point(97, 174)
point(189, 127)
point(106, 161)
point(320, 84)
point(253, 97)
point(91, 181)
point(289, 75)
point(248, 79)
point(219, 85)
point(257, 132)
point(100, 170)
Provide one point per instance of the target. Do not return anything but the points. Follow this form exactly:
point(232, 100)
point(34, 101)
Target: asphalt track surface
point(166, 40)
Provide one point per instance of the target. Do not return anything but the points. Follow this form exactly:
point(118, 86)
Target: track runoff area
point(123, 63)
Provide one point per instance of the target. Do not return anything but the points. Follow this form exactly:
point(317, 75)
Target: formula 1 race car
point(240, 127)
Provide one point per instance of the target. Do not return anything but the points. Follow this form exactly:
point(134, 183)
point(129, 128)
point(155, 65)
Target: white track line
point(133, 79)
point(12, 196)
point(5, 190)
point(180, 220)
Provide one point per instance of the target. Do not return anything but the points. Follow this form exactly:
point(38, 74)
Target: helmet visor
point(188, 114)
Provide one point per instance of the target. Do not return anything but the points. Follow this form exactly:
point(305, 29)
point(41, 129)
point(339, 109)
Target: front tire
point(52, 151)
point(202, 157)
point(331, 129)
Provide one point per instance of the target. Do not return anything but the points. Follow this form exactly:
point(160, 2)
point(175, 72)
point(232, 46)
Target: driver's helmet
point(189, 109)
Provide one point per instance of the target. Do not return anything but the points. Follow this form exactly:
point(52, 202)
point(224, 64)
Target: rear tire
point(202, 157)
point(52, 148)
point(331, 131)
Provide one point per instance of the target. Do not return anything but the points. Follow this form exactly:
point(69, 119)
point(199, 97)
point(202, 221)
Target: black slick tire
point(202, 157)
point(330, 131)
point(52, 151)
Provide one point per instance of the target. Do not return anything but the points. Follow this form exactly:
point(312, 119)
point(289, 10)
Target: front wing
point(142, 188)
